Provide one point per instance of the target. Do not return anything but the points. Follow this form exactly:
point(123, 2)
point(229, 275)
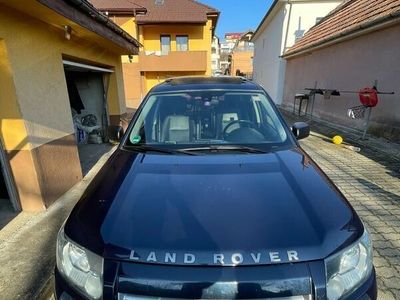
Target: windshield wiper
point(227, 148)
point(149, 148)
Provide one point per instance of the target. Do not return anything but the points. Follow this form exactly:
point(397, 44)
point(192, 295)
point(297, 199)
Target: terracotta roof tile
point(347, 18)
point(169, 11)
point(174, 11)
point(115, 5)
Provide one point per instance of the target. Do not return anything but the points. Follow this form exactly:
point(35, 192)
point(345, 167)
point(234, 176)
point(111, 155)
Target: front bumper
point(120, 282)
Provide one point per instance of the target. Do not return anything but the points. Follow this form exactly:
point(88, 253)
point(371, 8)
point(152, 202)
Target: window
point(165, 44)
point(208, 117)
point(182, 43)
point(318, 19)
point(213, 50)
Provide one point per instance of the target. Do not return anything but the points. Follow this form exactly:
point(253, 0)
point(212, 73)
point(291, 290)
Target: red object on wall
point(368, 97)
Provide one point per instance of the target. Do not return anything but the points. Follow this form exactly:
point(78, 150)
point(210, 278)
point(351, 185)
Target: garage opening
point(9, 206)
point(87, 89)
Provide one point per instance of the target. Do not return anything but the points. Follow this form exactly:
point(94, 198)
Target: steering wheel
point(249, 123)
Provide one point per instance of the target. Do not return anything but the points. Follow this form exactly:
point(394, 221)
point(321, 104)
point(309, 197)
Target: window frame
point(187, 42)
point(161, 43)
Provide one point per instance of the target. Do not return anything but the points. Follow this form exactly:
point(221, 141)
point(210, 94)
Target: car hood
point(224, 209)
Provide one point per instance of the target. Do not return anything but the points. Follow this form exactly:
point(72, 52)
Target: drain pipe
point(287, 27)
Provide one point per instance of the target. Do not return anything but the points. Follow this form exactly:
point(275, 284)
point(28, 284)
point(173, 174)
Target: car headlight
point(349, 269)
point(81, 267)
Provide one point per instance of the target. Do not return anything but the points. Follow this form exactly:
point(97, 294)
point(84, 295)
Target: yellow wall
point(31, 56)
point(242, 61)
point(12, 128)
point(154, 78)
point(151, 34)
point(128, 24)
point(200, 37)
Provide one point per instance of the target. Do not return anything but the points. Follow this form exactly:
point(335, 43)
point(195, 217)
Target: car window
point(207, 117)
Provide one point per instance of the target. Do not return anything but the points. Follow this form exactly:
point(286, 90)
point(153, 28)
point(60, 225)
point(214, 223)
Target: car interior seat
point(176, 126)
point(176, 129)
point(228, 113)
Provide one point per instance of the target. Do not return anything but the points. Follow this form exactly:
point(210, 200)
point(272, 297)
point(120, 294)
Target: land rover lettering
point(234, 258)
point(189, 258)
point(219, 259)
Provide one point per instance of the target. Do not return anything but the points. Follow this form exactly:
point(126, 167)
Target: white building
point(285, 22)
point(215, 56)
point(226, 47)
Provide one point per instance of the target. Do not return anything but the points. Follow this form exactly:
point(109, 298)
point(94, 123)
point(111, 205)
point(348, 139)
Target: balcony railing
point(173, 61)
point(244, 49)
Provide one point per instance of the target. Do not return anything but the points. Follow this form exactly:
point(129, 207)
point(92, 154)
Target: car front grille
point(282, 282)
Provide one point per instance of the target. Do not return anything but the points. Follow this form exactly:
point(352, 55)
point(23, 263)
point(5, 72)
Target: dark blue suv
point(209, 196)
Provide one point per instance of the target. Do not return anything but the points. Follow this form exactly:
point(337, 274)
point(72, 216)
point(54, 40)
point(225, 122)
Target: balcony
point(175, 61)
point(249, 48)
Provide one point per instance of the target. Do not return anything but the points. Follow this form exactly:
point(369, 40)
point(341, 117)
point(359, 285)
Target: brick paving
point(371, 182)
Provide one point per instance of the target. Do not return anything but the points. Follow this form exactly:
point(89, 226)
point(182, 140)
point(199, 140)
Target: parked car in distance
point(210, 196)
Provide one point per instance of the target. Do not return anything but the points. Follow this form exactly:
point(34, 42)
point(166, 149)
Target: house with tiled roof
point(176, 37)
point(357, 45)
point(284, 23)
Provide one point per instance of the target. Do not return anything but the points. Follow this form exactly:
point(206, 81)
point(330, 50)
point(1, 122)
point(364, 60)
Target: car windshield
point(207, 118)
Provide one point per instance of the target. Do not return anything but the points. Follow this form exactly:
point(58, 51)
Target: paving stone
point(381, 262)
point(396, 293)
point(392, 283)
point(386, 295)
point(384, 229)
point(382, 245)
point(391, 236)
point(370, 180)
point(389, 252)
point(398, 269)
point(386, 272)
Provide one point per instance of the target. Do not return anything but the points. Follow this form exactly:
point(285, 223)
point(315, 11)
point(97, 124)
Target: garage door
point(87, 90)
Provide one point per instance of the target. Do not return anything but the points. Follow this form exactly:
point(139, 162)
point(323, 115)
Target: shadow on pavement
point(391, 163)
point(7, 212)
point(380, 191)
point(89, 155)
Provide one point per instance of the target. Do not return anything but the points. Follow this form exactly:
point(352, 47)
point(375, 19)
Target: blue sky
point(238, 15)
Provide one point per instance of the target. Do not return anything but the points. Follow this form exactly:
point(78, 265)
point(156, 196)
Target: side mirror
point(301, 130)
point(115, 133)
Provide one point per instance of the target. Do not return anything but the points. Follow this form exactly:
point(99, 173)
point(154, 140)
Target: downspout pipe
point(287, 27)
